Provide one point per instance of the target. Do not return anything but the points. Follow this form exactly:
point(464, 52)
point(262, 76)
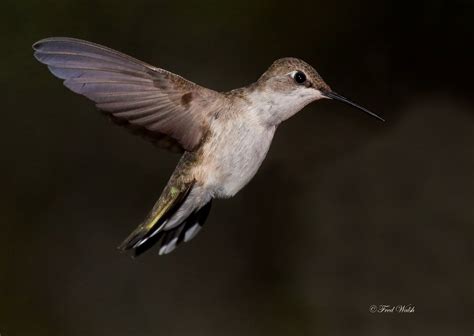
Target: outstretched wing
point(167, 108)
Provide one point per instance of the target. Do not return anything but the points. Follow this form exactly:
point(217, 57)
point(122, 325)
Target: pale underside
point(223, 140)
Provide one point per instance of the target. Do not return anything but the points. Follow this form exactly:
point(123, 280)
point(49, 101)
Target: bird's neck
point(271, 107)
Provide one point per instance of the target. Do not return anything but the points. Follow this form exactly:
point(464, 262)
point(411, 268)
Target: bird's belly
point(236, 159)
point(235, 173)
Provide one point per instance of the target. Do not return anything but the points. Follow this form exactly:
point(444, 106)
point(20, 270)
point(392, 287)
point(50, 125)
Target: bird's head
point(290, 84)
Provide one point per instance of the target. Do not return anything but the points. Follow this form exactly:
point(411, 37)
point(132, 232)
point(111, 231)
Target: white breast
point(234, 153)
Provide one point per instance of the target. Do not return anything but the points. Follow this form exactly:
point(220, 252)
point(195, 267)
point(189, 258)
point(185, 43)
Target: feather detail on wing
point(169, 109)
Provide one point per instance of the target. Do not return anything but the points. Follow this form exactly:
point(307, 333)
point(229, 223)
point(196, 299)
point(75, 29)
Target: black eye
point(299, 77)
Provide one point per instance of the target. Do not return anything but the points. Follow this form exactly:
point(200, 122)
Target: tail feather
point(153, 225)
point(170, 239)
point(193, 225)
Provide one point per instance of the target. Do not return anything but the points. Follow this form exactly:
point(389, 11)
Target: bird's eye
point(299, 77)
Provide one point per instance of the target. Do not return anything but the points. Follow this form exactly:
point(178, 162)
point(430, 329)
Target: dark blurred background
point(346, 212)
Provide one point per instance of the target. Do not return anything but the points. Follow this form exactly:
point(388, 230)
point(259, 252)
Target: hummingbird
point(223, 136)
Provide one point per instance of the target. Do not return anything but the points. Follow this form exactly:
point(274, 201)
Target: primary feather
point(167, 107)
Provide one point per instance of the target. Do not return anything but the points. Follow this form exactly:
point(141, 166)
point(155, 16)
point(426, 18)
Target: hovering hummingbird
point(224, 136)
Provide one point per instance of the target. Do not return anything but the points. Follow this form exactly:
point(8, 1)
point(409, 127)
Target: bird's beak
point(335, 96)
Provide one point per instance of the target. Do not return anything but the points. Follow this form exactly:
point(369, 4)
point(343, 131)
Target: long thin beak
point(335, 96)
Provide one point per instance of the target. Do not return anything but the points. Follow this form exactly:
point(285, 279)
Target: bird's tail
point(153, 230)
point(184, 232)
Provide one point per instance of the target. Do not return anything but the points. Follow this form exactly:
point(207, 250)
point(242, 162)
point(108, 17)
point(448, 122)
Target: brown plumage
point(137, 94)
point(224, 136)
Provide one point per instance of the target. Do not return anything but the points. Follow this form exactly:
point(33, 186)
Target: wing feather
point(166, 107)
